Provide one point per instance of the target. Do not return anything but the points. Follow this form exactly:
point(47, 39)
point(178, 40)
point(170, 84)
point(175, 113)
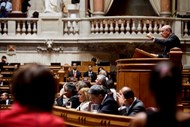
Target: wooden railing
point(74, 118)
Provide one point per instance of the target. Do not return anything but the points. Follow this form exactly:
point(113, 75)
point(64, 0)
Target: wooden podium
point(135, 72)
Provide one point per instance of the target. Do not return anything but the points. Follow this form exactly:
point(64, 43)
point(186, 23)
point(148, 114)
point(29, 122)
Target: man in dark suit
point(129, 104)
point(90, 73)
point(170, 40)
point(74, 72)
point(70, 95)
point(5, 99)
point(3, 62)
point(106, 102)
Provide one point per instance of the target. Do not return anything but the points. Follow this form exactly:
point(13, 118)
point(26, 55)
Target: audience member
point(3, 12)
point(129, 104)
point(90, 73)
point(5, 99)
point(71, 95)
point(3, 62)
point(35, 14)
point(170, 40)
point(25, 6)
point(7, 5)
point(33, 88)
point(166, 85)
point(80, 84)
point(1, 80)
point(74, 72)
point(106, 103)
point(84, 98)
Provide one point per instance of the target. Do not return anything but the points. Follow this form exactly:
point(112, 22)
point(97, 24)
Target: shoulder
point(139, 120)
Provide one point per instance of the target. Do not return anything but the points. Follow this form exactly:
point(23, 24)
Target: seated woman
point(84, 98)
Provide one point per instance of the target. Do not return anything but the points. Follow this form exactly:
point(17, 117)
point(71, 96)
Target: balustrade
point(107, 26)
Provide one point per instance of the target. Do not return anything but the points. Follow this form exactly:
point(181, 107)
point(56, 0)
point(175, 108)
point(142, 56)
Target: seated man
point(70, 94)
point(5, 99)
point(7, 5)
point(74, 73)
point(90, 73)
point(106, 102)
point(3, 62)
point(129, 104)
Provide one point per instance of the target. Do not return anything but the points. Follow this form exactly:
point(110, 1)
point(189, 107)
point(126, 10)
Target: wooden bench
point(75, 118)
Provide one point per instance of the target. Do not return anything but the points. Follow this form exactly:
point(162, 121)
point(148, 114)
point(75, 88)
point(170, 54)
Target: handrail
point(75, 118)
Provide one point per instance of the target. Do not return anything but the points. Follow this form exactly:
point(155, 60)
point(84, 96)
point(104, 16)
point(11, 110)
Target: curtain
point(107, 5)
point(156, 5)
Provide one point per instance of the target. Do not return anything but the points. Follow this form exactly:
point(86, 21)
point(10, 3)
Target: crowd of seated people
point(83, 95)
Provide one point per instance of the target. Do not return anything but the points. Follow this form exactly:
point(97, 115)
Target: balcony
point(96, 29)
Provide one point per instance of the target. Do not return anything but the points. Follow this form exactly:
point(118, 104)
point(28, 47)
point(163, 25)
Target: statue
point(53, 6)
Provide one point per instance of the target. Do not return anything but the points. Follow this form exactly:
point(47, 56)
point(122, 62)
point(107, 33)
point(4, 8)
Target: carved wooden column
point(98, 7)
point(165, 8)
point(17, 5)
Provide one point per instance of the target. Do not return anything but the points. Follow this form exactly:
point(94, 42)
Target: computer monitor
point(77, 62)
point(104, 63)
point(75, 1)
point(55, 64)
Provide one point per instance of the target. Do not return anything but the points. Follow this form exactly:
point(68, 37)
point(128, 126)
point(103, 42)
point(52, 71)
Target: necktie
point(75, 74)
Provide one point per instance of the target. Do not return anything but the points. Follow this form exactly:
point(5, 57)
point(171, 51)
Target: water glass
point(94, 108)
point(68, 104)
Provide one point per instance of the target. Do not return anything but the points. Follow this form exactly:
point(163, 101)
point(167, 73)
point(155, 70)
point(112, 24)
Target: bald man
point(129, 104)
point(170, 40)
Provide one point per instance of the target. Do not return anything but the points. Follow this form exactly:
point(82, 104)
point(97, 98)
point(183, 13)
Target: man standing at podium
point(170, 40)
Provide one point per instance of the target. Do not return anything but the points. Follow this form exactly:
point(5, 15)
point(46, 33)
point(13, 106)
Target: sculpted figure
point(53, 6)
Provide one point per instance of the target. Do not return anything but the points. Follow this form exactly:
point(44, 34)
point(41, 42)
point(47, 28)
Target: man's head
point(166, 31)
point(101, 80)
point(128, 95)
point(4, 96)
point(4, 59)
point(70, 89)
point(74, 66)
point(97, 93)
point(34, 86)
point(90, 67)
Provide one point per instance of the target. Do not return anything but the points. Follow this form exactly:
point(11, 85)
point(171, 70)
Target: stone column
point(165, 8)
point(98, 7)
point(17, 5)
point(86, 8)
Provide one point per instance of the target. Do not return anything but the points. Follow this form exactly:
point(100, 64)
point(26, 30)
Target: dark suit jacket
point(171, 42)
point(109, 106)
point(136, 107)
point(78, 76)
point(74, 99)
point(93, 76)
point(3, 64)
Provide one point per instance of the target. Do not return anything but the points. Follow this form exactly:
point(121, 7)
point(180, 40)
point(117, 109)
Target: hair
point(34, 86)
point(97, 90)
point(86, 93)
point(94, 59)
point(71, 87)
point(128, 94)
point(102, 79)
point(3, 57)
point(166, 83)
point(168, 28)
point(81, 84)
